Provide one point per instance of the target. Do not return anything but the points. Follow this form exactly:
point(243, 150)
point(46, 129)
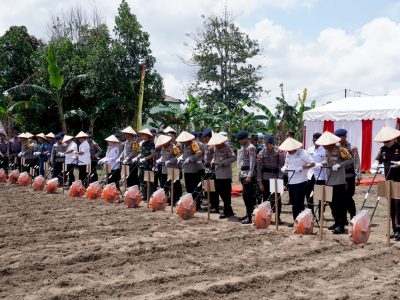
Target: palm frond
point(56, 79)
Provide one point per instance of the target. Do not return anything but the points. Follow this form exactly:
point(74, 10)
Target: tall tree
point(222, 54)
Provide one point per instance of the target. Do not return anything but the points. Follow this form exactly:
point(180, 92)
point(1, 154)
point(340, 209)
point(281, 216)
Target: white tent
point(362, 117)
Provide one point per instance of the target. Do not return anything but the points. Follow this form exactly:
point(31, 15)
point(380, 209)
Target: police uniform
point(157, 168)
point(337, 179)
point(247, 164)
point(385, 156)
point(14, 148)
point(95, 152)
point(146, 149)
point(191, 153)
point(269, 163)
point(130, 150)
point(169, 154)
point(27, 149)
point(57, 159)
point(3, 153)
point(223, 158)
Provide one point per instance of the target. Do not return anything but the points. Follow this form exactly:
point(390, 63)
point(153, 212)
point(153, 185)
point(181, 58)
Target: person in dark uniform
point(130, 151)
point(57, 157)
point(247, 166)
point(336, 160)
point(27, 153)
point(352, 171)
point(147, 148)
point(14, 148)
point(269, 162)
point(389, 156)
point(95, 152)
point(3, 151)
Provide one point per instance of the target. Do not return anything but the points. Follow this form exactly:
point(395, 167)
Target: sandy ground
point(57, 247)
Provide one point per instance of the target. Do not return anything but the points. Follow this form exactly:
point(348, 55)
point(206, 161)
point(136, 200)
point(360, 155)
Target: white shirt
point(84, 159)
point(112, 154)
point(318, 156)
point(293, 162)
point(70, 158)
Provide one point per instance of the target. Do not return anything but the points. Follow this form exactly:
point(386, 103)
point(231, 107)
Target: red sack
point(359, 227)
point(38, 183)
point(110, 193)
point(158, 201)
point(52, 185)
point(262, 215)
point(186, 207)
point(3, 176)
point(133, 197)
point(76, 189)
point(304, 222)
point(24, 179)
point(93, 191)
point(13, 178)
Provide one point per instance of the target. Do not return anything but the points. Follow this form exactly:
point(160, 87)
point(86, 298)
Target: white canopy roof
point(357, 108)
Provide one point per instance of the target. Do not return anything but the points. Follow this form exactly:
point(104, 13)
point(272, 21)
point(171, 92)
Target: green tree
point(221, 55)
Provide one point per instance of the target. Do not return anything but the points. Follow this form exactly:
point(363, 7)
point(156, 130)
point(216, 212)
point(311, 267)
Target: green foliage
point(56, 80)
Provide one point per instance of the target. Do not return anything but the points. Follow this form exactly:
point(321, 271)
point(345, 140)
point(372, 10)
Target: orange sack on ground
point(186, 207)
point(132, 197)
point(158, 201)
point(51, 186)
point(3, 175)
point(77, 189)
point(24, 179)
point(110, 193)
point(93, 191)
point(38, 183)
point(304, 222)
point(262, 215)
point(13, 178)
point(359, 227)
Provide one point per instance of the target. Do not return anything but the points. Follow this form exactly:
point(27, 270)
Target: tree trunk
point(62, 119)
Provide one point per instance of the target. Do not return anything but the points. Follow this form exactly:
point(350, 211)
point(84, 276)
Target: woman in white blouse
point(112, 159)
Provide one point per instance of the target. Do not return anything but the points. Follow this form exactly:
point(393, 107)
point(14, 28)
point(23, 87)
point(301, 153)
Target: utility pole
point(345, 93)
point(138, 121)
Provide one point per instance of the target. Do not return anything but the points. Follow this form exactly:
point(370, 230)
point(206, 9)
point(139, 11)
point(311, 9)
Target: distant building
point(168, 102)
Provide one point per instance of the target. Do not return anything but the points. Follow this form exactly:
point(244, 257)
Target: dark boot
point(248, 220)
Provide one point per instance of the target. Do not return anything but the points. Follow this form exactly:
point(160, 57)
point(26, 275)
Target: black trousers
point(157, 177)
point(224, 189)
point(114, 177)
point(395, 214)
point(214, 198)
point(57, 171)
point(267, 196)
point(249, 195)
point(4, 163)
point(70, 172)
point(143, 185)
point(83, 175)
point(133, 178)
point(350, 191)
point(191, 182)
point(166, 184)
point(310, 187)
point(338, 204)
point(297, 193)
point(93, 169)
point(31, 163)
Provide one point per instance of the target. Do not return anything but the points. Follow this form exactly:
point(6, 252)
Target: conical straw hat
point(162, 140)
point(50, 135)
point(112, 138)
point(22, 136)
point(41, 135)
point(217, 139)
point(66, 138)
point(327, 138)
point(290, 144)
point(169, 129)
point(29, 135)
point(145, 131)
point(185, 137)
point(81, 134)
point(386, 134)
point(129, 130)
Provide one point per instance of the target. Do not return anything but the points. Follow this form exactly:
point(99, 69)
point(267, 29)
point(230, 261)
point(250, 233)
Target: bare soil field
point(57, 247)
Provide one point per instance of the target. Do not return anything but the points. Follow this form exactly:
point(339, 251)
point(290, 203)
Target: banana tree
point(57, 89)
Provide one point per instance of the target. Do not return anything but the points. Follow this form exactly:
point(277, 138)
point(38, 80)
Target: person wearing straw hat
point(112, 158)
point(129, 151)
point(191, 153)
point(200, 162)
point(353, 172)
point(145, 158)
point(83, 156)
point(51, 140)
point(43, 151)
point(57, 157)
point(297, 162)
point(168, 159)
point(222, 160)
point(269, 162)
point(389, 156)
point(95, 152)
point(14, 148)
point(3, 151)
point(336, 160)
point(247, 165)
point(71, 159)
point(27, 151)
point(210, 168)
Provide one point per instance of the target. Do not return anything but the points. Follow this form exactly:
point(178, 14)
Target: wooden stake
point(63, 175)
point(208, 199)
point(321, 219)
point(276, 204)
point(389, 210)
point(126, 178)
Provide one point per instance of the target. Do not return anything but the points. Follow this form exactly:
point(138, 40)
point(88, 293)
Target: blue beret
point(242, 135)
point(58, 136)
point(207, 132)
point(269, 139)
point(340, 132)
point(194, 133)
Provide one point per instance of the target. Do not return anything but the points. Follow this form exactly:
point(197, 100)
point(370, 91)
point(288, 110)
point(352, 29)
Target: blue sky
point(322, 45)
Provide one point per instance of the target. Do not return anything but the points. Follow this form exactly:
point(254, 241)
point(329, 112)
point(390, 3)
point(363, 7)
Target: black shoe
point(397, 236)
point(246, 221)
point(393, 234)
point(290, 225)
point(214, 211)
point(332, 226)
point(338, 230)
point(280, 221)
point(242, 218)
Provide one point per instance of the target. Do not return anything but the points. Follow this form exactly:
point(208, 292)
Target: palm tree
point(57, 89)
